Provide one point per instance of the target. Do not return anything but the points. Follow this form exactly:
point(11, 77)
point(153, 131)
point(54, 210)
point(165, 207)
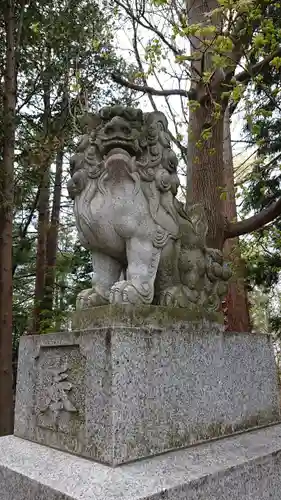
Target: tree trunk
point(236, 302)
point(43, 211)
point(205, 141)
point(206, 157)
point(53, 231)
point(52, 243)
point(43, 222)
point(6, 225)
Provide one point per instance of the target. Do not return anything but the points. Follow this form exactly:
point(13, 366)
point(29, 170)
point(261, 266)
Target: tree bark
point(206, 158)
point(6, 225)
point(43, 222)
point(205, 141)
point(52, 243)
point(43, 210)
point(236, 302)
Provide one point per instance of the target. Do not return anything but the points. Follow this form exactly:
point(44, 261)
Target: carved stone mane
point(146, 247)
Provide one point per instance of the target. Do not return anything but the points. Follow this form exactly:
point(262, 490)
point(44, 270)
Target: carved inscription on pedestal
point(59, 395)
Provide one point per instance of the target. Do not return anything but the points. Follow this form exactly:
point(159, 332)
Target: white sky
point(124, 47)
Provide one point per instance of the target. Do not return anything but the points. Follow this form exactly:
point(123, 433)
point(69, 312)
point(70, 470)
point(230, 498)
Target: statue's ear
point(198, 218)
point(156, 116)
point(89, 121)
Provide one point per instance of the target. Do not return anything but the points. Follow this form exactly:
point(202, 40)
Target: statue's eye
point(126, 130)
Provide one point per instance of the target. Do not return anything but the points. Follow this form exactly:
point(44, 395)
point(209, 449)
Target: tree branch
point(255, 222)
point(246, 75)
point(183, 149)
point(145, 23)
point(148, 90)
point(23, 231)
point(140, 65)
point(30, 95)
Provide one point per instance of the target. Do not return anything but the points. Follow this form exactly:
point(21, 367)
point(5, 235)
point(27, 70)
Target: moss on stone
point(215, 430)
point(141, 446)
point(126, 315)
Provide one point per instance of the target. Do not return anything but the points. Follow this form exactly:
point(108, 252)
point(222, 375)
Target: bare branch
point(148, 90)
point(35, 89)
point(140, 65)
point(23, 231)
point(246, 75)
point(255, 222)
point(145, 23)
point(174, 139)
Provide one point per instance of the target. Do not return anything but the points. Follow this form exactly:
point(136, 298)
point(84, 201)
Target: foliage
point(65, 49)
point(70, 47)
point(262, 186)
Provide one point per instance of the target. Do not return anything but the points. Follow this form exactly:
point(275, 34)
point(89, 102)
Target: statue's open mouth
point(128, 145)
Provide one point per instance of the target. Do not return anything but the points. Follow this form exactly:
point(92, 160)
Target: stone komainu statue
point(146, 248)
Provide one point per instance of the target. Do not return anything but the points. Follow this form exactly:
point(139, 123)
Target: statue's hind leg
point(178, 277)
point(143, 259)
point(106, 271)
point(168, 276)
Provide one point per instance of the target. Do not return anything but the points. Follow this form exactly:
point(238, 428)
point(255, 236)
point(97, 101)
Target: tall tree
point(64, 63)
point(65, 73)
point(6, 221)
point(260, 187)
point(52, 241)
point(237, 312)
point(44, 195)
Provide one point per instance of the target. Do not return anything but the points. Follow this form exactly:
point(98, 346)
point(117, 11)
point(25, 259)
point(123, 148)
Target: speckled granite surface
point(244, 467)
point(116, 394)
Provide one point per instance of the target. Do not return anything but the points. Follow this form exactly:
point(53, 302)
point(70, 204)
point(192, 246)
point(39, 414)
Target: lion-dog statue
point(146, 247)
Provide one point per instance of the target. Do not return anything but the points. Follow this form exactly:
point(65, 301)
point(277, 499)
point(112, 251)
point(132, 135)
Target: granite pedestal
point(119, 393)
point(199, 406)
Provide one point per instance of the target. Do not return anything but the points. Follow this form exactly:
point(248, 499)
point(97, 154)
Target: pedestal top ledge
point(140, 316)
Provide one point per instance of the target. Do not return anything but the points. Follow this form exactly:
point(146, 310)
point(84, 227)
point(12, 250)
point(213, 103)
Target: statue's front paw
point(128, 292)
point(90, 298)
point(179, 296)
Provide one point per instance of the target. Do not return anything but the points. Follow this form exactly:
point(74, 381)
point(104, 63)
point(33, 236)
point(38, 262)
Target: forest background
point(213, 67)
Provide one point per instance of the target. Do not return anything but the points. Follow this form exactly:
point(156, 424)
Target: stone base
point(139, 316)
point(244, 467)
point(116, 394)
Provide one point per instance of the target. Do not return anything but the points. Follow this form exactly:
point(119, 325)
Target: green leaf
point(182, 58)
point(193, 105)
point(237, 93)
point(276, 62)
point(206, 133)
point(35, 27)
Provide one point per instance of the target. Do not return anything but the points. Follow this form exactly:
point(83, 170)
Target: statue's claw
point(179, 296)
point(90, 298)
point(127, 292)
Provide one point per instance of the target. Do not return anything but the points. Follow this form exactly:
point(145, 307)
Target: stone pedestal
point(147, 383)
point(119, 393)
